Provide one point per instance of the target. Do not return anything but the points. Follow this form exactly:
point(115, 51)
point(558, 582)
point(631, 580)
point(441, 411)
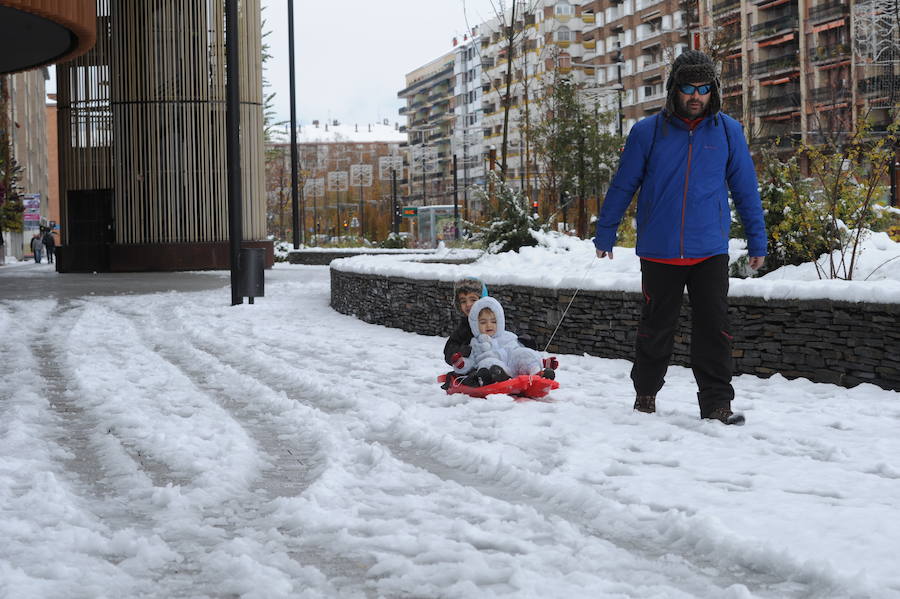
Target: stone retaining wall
point(825, 341)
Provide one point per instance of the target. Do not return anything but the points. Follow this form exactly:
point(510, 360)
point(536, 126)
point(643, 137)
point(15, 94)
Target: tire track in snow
point(652, 537)
point(294, 449)
point(159, 474)
point(81, 435)
point(642, 537)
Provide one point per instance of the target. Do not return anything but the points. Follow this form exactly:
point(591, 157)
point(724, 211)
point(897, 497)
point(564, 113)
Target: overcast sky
point(352, 56)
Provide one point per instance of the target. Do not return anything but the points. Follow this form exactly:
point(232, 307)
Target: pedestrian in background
point(49, 245)
point(685, 160)
point(37, 247)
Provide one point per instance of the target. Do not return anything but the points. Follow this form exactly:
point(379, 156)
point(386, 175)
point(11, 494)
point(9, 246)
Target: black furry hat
point(468, 285)
point(693, 66)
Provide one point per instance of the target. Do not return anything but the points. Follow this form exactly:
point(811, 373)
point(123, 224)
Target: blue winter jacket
point(684, 177)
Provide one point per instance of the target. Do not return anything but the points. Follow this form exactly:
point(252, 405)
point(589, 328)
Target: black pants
point(663, 288)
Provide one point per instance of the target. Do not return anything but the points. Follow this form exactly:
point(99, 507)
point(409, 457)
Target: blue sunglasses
point(689, 90)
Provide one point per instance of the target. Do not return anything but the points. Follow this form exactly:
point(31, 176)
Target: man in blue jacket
point(685, 160)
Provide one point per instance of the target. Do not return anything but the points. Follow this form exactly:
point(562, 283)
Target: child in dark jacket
point(466, 292)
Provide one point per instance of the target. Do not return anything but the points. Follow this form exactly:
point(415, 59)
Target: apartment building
point(429, 116)
point(806, 70)
point(635, 41)
point(24, 112)
point(549, 39)
point(346, 180)
point(467, 143)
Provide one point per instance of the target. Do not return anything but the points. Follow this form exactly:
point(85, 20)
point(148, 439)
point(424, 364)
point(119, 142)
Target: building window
point(564, 34)
point(563, 8)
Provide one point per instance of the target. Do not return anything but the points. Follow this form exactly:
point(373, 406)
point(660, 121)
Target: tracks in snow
point(257, 393)
point(587, 509)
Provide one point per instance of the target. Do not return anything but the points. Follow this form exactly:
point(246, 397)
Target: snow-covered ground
point(169, 445)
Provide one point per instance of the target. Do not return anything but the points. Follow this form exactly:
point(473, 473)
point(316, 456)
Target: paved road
point(33, 281)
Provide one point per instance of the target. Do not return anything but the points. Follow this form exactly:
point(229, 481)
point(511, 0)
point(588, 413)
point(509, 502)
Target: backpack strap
point(652, 145)
point(727, 142)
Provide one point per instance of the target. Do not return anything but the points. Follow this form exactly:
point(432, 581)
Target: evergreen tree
point(511, 218)
point(11, 205)
point(576, 153)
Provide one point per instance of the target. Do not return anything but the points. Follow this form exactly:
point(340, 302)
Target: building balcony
point(785, 140)
point(828, 10)
point(731, 75)
point(885, 85)
point(650, 66)
point(768, 28)
point(821, 54)
point(787, 62)
point(785, 100)
point(829, 94)
point(721, 8)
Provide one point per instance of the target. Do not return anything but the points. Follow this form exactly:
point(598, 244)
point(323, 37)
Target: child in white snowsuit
point(497, 354)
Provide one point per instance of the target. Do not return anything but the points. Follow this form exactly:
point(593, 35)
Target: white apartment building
point(429, 128)
point(467, 142)
point(549, 38)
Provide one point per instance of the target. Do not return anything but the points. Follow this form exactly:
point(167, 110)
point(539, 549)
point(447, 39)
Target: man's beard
point(691, 109)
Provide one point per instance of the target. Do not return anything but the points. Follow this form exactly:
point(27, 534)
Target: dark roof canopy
point(42, 32)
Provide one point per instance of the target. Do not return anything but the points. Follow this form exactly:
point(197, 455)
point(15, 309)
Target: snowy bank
point(562, 262)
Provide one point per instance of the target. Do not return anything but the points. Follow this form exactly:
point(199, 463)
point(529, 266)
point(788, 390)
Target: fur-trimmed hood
point(693, 66)
point(494, 306)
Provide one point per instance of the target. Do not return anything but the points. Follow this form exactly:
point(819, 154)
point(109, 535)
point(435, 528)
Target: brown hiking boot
point(645, 403)
point(726, 416)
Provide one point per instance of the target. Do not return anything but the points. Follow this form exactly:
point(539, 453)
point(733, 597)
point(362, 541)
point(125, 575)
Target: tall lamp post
point(619, 75)
point(233, 147)
point(295, 203)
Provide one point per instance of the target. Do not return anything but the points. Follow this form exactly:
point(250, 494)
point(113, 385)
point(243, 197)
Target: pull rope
point(566, 311)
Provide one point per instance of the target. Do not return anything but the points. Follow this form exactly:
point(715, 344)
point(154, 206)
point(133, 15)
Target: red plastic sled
point(527, 386)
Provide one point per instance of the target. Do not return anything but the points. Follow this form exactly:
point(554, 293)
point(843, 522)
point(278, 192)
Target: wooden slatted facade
point(142, 128)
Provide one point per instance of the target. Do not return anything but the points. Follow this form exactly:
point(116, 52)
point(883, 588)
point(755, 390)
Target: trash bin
point(252, 265)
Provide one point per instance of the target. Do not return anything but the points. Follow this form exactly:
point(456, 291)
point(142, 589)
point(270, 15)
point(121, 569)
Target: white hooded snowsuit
point(503, 349)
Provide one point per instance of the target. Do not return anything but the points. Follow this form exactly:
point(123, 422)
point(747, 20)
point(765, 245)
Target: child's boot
point(497, 374)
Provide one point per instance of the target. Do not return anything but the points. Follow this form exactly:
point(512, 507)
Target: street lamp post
point(619, 75)
point(455, 202)
point(295, 204)
point(233, 147)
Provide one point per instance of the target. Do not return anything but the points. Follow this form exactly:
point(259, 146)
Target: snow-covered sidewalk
point(170, 445)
